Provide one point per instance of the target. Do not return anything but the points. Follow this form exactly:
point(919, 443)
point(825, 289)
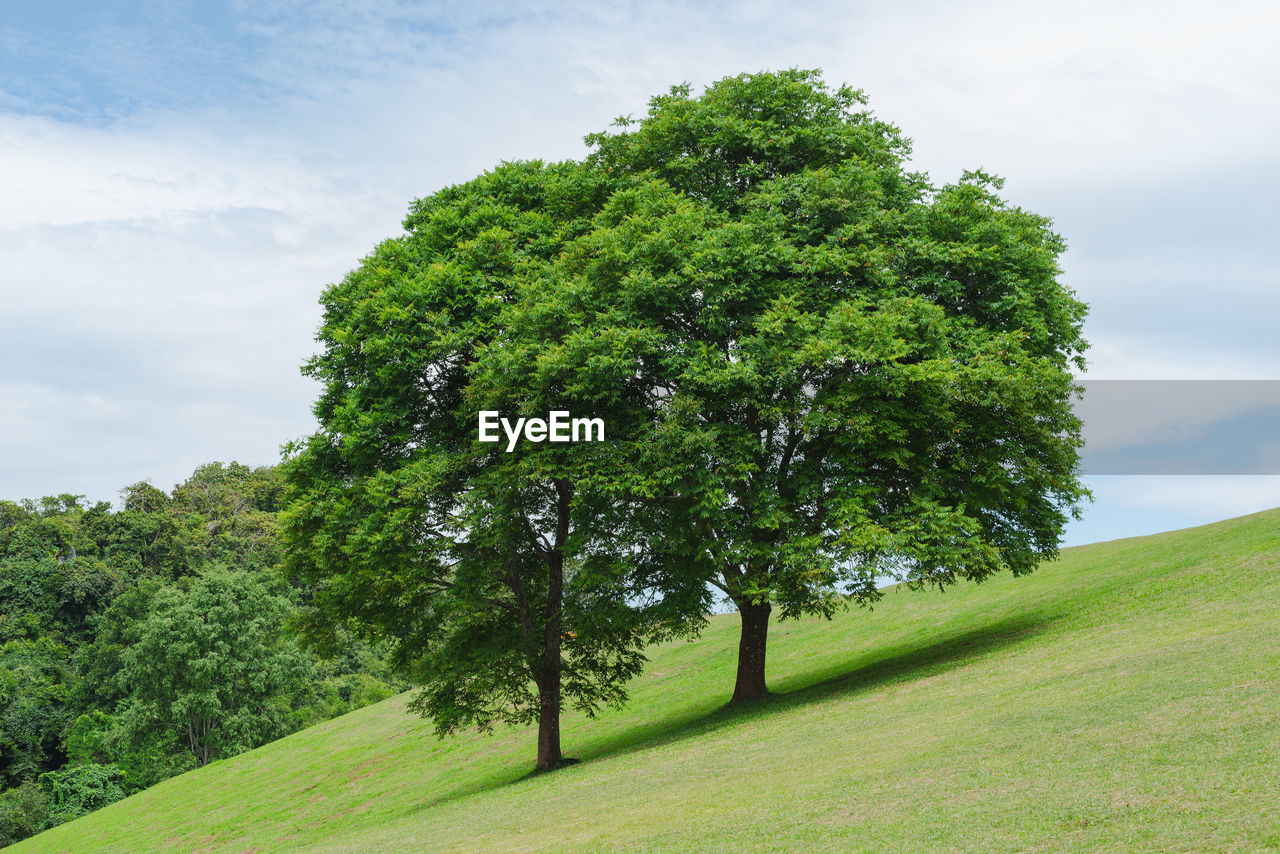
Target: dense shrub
point(24, 812)
point(80, 789)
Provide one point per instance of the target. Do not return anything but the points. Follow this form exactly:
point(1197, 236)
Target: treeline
point(140, 642)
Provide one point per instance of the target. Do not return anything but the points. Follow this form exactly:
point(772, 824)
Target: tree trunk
point(751, 650)
point(549, 726)
point(549, 682)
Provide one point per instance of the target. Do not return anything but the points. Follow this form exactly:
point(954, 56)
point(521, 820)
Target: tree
point(854, 374)
point(231, 513)
point(505, 583)
point(142, 497)
point(816, 368)
point(209, 669)
point(34, 679)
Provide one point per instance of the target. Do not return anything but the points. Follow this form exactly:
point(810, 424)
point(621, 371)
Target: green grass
point(1124, 698)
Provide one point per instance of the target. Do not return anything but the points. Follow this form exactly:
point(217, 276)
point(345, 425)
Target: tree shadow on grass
point(869, 669)
point(902, 661)
point(863, 671)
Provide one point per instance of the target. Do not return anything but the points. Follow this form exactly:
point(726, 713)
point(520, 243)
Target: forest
point(141, 640)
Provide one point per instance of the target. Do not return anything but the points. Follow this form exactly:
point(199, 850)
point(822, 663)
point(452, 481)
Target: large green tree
point(854, 373)
point(507, 581)
point(816, 369)
point(208, 669)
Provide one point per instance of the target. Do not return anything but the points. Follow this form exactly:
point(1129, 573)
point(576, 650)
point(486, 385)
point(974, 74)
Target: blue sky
point(179, 180)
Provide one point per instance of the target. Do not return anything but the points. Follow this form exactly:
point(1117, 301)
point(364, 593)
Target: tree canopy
point(503, 581)
point(208, 668)
point(815, 370)
point(858, 374)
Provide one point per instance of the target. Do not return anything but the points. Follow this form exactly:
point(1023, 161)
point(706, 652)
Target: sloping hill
point(1125, 698)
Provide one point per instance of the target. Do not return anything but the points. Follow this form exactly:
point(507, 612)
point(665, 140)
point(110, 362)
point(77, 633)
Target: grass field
point(1124, 698)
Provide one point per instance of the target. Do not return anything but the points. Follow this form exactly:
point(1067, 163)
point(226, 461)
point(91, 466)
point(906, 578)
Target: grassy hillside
point(1125, 698)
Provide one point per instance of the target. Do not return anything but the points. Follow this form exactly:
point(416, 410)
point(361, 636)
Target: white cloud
point(30, 410)
point(58, 173)
point(171, 258)
point(1154, 354)
point(1070, 92)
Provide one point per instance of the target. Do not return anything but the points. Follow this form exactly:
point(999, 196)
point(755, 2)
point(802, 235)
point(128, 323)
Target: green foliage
point(29, 589)
point(80, 789)
point(499, 580)
point(355, 675)
point(86, 738)
point(743, 132)
point(24, 811)
point(210, 669)
point(34, 677)
point(855, 373)
point(142, 497)
point(78, 585)
point(51, 572)
point(11, 515)
point(229, 512)
point(816, 369)
point(866, 373)
point(117, 627)
point(144, 540)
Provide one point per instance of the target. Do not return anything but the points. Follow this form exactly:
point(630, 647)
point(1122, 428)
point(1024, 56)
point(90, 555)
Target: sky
point(179, 181)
